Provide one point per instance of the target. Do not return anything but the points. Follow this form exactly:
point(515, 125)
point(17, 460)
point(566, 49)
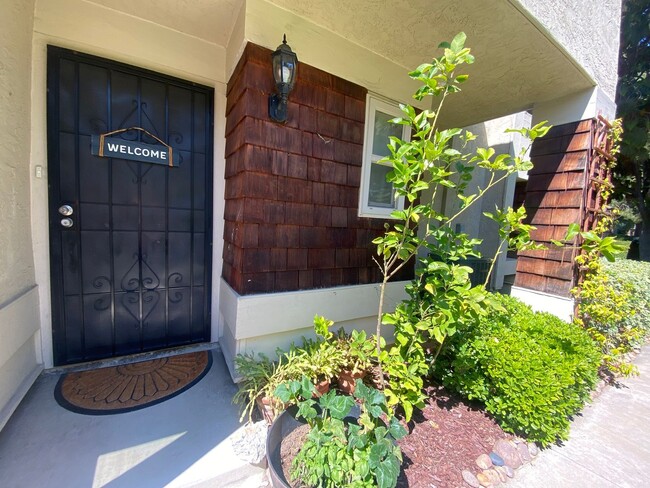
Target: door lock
point(67, 222)
point(66, 210)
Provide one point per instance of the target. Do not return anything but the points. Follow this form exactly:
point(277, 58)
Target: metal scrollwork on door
point(140, 274)
point(131, 303)
point(175, 295)
point(103, 303)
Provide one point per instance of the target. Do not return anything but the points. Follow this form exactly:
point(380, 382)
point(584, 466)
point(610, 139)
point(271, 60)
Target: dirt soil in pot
point(444, 439)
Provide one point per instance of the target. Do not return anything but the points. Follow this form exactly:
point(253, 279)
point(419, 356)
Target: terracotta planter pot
point(266, 408)
point(346, 380)
point(322, 387)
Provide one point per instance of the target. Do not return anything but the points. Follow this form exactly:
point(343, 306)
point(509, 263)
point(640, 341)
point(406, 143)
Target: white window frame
point(374, 104)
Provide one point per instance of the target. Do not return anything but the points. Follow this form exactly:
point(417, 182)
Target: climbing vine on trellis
point(601, 308)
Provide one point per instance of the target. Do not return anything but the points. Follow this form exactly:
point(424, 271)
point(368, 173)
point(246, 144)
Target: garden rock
point(501, 471)
point(470, 479)
point(488, 478)
point(496, 459)
point(523, 452)
point(533, 449)
point(493, 476)
point(483, 479)
point(484, 461)
point(508, 453)
point(249, 442)
point(510, 473)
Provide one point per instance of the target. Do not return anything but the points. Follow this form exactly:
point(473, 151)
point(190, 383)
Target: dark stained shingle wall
point(292, 189)
point(554, 199)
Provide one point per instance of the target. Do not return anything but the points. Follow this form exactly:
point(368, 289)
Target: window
point(376, 196)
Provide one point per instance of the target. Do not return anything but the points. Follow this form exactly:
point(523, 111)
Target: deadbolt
point(66, 210)
point(67, 223)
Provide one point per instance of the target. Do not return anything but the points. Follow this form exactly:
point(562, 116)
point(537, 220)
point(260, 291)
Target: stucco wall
point(19, 355)
point(588, 30)
point(261, 323)
point(16, 263)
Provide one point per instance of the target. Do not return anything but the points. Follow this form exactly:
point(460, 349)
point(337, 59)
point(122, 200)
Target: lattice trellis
point(598, 174)
point(598, 181)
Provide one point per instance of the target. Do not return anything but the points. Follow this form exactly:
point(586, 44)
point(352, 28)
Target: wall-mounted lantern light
point(285, 63)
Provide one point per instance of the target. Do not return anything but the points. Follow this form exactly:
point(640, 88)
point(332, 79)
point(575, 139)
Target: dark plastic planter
point(281, 427)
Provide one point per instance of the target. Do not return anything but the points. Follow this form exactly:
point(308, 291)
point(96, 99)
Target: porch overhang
point(374, 44)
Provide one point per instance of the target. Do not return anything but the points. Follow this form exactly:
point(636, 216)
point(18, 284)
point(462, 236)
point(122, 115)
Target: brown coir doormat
point(128, 387)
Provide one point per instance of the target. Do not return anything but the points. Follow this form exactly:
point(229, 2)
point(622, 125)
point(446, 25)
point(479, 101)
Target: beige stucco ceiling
point(517, 64)
point(210, 20)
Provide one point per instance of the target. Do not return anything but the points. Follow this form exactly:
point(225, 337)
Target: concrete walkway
point(182, 442)
point(186, 442)
point(609, 445)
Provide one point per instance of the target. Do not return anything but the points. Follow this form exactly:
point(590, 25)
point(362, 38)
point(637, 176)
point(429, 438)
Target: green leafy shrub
point(635, 276)
point(606, 311)
point(339, 452)
point(531, 370)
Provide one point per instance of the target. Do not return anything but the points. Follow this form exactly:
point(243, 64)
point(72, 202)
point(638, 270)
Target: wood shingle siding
point(292, 189)
point(555, 196)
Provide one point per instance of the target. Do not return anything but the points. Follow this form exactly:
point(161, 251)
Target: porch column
point(556, 196)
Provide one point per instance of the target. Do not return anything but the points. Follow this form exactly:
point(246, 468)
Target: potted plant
point(260, 377)
point(320, 360)
point(358, 352)
point(363, 444)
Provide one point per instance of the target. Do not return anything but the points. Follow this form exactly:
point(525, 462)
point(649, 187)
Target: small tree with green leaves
point(441, 296)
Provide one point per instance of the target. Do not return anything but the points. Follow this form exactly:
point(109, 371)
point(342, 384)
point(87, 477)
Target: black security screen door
point(130, 241)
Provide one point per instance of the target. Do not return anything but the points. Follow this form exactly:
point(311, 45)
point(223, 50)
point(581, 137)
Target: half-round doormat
point(128, 387)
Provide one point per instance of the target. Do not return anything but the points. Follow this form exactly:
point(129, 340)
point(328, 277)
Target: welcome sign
point(133, 150)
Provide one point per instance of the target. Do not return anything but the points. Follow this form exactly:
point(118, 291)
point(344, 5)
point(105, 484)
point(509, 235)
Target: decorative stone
point(249, 442)
point(493, 476)
point(508, 453)
point(501, 471)
point(533, 449)
point(484, 479)
point(470, 479)
point(484, 461)
point(523, 452)
point(510, 473)
point(496, 459)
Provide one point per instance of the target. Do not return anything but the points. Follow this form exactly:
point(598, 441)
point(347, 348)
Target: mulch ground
point(444, 439)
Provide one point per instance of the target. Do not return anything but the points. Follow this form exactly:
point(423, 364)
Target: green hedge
point(531, 370)
point(636, 275)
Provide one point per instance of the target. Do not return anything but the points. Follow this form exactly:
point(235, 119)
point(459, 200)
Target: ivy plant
point(603, 308)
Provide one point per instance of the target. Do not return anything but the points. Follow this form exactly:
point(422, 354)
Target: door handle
point(66, 210)
point(67, 222)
